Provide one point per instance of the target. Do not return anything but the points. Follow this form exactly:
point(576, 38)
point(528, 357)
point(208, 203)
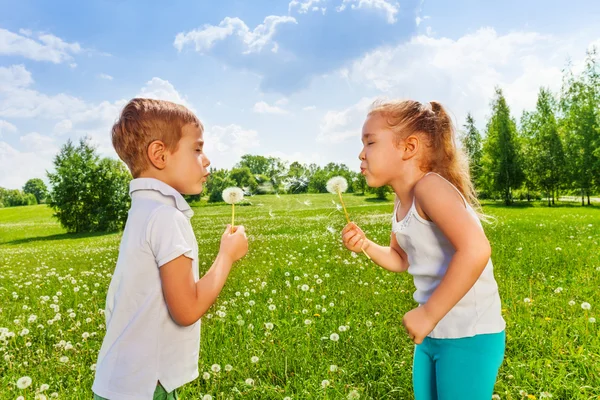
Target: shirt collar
point(168, 195)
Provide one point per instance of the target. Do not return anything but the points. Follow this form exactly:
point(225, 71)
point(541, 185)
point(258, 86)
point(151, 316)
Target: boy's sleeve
point(166, 236)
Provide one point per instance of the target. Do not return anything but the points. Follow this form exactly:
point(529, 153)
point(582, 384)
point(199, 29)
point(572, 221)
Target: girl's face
point(382, 157)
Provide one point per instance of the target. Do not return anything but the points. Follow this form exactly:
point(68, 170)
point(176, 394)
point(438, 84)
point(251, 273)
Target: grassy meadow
point(301, 317)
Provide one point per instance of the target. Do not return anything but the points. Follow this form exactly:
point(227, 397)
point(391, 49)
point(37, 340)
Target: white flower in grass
point(558, 290)
point(40, 396)
point(249, 382)
point(272, 307)
point(20, 398)
point(592, 320)
point(334, 337)
point(337, 184)
point(233, 195)
point(527, 300)
point(206, 376)
point(228, 368)
point(207, 397)
point(333, 368)
point(342, 328)
point(586, 306)
point(353, 395)
point(572, 303)
point(24, 382)
point(269, 326)
point(254, 359)
point(64, 359)
point(325, 383)
point(44, 387)
point(545, 395)
point(304, 288)
point(216, 368)
point(307, 322)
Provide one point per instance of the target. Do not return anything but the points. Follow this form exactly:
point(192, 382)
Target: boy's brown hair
point(143, 121)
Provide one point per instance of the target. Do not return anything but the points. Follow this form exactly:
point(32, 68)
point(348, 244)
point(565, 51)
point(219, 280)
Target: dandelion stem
point(348, 219)
point(344, 206)
point(232, 216)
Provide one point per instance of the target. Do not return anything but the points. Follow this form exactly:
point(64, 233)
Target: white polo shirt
point(143, 345)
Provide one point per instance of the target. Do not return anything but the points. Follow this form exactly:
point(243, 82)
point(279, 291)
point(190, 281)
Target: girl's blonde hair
point(432, 122)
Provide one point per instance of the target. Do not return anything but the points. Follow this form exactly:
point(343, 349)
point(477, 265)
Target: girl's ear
point(410, 146)
point(157, 154)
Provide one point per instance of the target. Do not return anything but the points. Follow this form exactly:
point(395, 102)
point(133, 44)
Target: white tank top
point(429, 253)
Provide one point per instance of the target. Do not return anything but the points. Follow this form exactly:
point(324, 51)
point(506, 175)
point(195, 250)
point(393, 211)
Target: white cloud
point(299, 156)
point(16, 167)
point(15, 76)
point(72, 117)
point(302, 7)
point(47, 47)
point(39, 144)
point(105, 76)
point(463, 73)
point(253, 40)
point(161, 89)
point(224, 145)
point(390, 8)
point(338, 126)
point(309, 108)
point(6, 127)
point(63, 127)
point(264, 108)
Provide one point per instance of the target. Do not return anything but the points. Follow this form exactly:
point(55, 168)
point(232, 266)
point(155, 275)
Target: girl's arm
point(445, 207)
point(392, 258)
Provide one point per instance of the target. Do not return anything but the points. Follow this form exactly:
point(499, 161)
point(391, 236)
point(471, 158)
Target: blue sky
point(290, 78)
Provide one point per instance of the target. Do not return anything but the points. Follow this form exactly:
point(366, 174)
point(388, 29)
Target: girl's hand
point(418, 324)
point(354, 238)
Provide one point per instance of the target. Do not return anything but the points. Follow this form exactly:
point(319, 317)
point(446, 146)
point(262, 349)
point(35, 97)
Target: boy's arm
point(188, 300)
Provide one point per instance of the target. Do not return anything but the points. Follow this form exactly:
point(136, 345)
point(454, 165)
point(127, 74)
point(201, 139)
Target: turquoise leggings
point(464, 368)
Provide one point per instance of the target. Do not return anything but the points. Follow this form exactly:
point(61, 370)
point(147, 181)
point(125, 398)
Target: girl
point(437, 237)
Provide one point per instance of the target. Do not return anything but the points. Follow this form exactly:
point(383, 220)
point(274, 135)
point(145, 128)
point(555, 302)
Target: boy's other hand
point(234, 243)
point(354, 238)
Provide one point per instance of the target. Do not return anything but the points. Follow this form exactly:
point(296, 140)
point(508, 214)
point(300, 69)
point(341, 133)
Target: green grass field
point(301, 317)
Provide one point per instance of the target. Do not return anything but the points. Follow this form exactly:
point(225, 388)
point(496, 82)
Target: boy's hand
point(234, 245)
point(354, 238)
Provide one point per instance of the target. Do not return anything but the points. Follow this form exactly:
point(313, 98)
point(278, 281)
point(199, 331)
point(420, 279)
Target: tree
point(471, 141)
point(15, 198)
point(546, 155)
point(272, 167)
point(218, 180)
point(244, 178)
point(501, 161)
point(580, 125)
point(88, 194)
point(38, 188)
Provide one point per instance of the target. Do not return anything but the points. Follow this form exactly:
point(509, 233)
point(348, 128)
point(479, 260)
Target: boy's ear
point(410, 145)
point(157, 154)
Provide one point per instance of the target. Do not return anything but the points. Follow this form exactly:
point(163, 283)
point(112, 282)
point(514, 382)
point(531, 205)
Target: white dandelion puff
point(233, 195)
point(337, 184)
point(24, 382)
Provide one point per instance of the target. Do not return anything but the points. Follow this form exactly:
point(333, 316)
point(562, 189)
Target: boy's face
point(187, 166)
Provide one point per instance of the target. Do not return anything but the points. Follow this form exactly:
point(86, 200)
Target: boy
point(155, 298)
